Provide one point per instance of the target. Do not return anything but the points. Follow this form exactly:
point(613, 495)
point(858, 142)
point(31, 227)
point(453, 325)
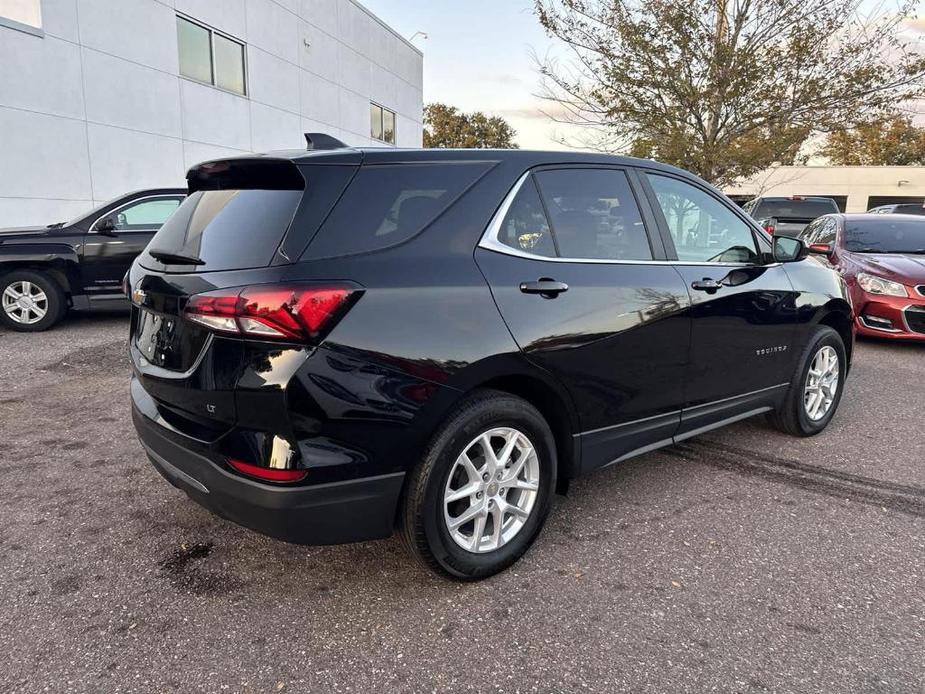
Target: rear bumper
point(350, 511)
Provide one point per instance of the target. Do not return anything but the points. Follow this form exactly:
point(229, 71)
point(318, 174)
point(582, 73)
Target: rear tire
point(518, 488)
point(812, 399)
point(30, 301)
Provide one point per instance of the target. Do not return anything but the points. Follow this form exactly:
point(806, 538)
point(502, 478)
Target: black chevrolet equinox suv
point(331, 345)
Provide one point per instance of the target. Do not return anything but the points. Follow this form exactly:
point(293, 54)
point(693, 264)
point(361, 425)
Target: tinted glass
point(703, 228)
point(799, 209)
point(388, 126)
point(375, 122)
point(909, 209)
point(228, 229)
point(229, 64)
point(195, 51)
point(150, 214)
point(386, 205)
point(887, 234)
point(594, 215)
point(828, 230)
point(525, 227)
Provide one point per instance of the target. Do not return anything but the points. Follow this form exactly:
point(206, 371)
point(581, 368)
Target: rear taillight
point(769, 228)
point(267, 474)
point(281, 312)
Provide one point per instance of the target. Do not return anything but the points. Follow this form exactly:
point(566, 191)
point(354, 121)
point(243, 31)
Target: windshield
point(889, 234)
point(799, 209)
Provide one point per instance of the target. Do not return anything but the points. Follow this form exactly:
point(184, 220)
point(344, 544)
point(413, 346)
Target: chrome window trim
point(162, 196)
point(490, 242)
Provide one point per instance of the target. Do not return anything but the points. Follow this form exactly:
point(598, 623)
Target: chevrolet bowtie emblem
point(138, 295)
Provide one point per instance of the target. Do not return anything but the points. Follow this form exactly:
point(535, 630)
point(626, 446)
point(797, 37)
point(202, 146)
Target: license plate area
point(167, 341)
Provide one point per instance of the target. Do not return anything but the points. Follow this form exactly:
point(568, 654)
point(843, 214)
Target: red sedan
point(882, 258)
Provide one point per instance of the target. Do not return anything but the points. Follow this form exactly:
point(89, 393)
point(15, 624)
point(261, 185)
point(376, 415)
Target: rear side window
point(525, 227)
point(227, 229)
point(593, 214)
point(388, 204)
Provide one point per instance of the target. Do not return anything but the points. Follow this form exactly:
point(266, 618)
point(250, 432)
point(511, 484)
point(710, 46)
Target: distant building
point(99, 97)
point(854, 188)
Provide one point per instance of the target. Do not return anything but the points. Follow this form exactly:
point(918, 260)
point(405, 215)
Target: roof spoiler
point(318, 141)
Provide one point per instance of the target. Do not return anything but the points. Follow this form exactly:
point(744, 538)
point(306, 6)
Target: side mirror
point(789, 250)
point(105, 226)
point(820, 248)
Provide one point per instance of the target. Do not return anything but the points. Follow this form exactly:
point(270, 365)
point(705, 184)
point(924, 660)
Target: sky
point(478, 57)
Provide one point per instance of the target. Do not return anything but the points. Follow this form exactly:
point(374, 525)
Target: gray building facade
point(99, 97)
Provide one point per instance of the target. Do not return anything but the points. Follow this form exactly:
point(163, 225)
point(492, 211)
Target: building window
point(211, 57)
point(381, 124)
point(22, 14)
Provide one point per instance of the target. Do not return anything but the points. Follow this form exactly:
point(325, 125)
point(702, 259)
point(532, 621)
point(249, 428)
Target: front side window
point(210, 57)
point(27, 12)
point(828, 230)
point(593, 214)
point(381, 124)
point(703, 228)
point(149, 214)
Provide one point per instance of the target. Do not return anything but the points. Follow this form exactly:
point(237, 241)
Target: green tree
point(725, 88)
point(894, 140)
point(446, 126)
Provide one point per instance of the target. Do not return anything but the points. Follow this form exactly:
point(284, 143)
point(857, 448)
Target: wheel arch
point(838, 316)
point(62, 269)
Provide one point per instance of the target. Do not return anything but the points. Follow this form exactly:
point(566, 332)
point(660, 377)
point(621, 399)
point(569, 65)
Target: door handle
point(710, 286)
point(545, 287)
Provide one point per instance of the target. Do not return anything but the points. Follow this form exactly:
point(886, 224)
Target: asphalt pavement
point(740, 561)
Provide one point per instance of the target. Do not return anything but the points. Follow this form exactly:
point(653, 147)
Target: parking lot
point(741, 561)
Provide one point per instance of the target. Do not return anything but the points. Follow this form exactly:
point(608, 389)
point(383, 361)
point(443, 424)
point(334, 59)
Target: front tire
point(817, 385)
point(30, 301)
point(481, 493)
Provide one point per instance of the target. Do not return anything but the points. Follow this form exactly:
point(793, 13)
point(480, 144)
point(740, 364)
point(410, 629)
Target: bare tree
point(725, 88)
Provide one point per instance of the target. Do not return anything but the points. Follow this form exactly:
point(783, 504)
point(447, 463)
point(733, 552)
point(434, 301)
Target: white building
point(100, 97)
point(854, 188)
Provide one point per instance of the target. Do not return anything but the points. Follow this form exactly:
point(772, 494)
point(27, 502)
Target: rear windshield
point(388, 204)
point(226, 229)
point(799, 209)
point(887, 234)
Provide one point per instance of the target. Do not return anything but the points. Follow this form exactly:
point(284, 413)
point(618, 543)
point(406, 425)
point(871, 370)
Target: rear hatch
point(228, 246)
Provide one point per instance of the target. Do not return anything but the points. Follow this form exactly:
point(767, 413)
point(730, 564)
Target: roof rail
point(322, 141)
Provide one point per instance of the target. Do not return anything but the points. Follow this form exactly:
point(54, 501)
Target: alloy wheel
point(821, 383)
point(25, 302)
point(491, 490)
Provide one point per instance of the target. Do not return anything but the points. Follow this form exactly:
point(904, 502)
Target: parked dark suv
point(331, 345)
point(77, 265)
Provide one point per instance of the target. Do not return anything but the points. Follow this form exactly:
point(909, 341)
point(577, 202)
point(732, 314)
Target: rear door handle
point(545, 287)
point(710, 286)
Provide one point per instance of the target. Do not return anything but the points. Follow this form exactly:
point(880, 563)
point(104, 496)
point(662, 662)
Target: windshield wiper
point(169, 258)
point(56, 225)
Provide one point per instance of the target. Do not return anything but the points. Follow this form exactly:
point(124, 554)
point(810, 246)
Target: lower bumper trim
point(331, 513)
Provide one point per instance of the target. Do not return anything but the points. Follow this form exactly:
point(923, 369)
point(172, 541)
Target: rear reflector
point(267, 474)
point(280, 312)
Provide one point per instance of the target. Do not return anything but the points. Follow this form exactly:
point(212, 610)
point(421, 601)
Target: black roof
point(521, 158)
